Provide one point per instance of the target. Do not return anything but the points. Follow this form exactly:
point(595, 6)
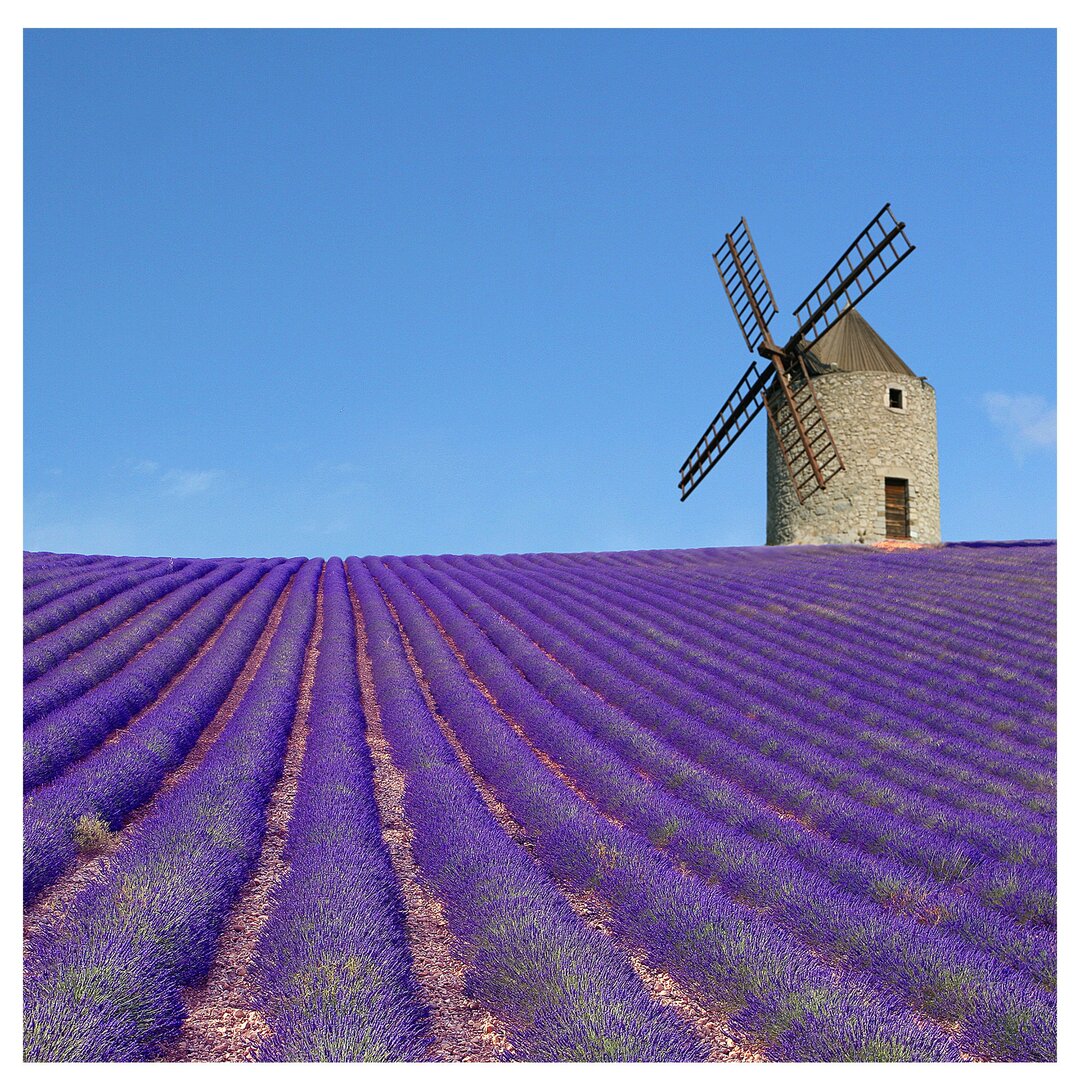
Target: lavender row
point(333, 965)
point(969, 716)
point(45, 558)
point(777, 687)
point(992, 620)
point(1000, 850)
point(927, 968)
point(934, 601)
point(801, 640)
point(892, 609)
point(896, 643)
point(895, 630)
point(63, 736)
point(51, 649)
point(751, 632)
point(106, 654)
point(856, 585)
point(35, 571)
point(65, 608)
point(118, 778)
point(1030, 897)
point(759, 975)
point(562, 990)
point(1002, 883)
point(34, 595)
point(717, 662)
point(878, 880)
point(105, 986)
point(677, 683)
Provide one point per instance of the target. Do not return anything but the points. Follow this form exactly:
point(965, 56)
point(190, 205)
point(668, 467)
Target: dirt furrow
point(121, 626)
point(708, 1023)
point(53, 905)
point(221, 1022)
point(751, 796)
point(462, 1029)
point(207, 645)
point(94, 607)
point(708, 1027)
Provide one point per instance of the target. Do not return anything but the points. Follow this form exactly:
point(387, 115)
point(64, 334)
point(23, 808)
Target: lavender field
point(791, 804)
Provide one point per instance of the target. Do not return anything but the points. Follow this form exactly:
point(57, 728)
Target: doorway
point(897, 521)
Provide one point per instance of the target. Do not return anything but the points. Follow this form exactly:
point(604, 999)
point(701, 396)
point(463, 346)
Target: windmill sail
point(802, 433)
point(785, 389)
point(748, 289)
point(744, 403)
point(878, 250)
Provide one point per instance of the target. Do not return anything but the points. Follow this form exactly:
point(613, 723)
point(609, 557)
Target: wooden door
point(896, 508)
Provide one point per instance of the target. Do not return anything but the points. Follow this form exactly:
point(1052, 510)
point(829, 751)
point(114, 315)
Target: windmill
point(784, 385)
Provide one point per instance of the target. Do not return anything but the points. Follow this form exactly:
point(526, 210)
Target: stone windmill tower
point(870, 471)
point(883, 418)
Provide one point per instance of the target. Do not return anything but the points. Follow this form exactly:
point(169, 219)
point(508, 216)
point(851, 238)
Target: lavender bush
point(102, 654)
point(115, 780)
point(814, 786)
point(60, 737)
point(105, 985)
point(561, 988)
point(333, 965)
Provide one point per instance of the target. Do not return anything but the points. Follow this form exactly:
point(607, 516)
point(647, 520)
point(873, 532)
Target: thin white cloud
point(1028, 421)
point(334, 527)
point(180, 483)
point(186, 482)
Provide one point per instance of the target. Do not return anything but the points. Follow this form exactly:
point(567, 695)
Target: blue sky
point(307, 292)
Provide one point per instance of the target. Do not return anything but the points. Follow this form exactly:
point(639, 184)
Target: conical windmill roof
point(853, 344)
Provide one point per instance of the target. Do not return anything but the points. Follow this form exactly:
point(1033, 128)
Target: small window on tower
point(896, 398)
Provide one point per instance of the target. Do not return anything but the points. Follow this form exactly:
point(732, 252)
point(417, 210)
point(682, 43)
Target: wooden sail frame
point(803, 435)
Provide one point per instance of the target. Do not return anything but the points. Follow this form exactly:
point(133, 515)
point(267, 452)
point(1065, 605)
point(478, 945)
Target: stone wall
point(874, 441)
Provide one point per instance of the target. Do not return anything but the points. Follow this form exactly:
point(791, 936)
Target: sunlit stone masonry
point(883, 418)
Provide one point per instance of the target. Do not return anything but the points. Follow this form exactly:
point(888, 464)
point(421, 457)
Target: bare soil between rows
point(222, 1023)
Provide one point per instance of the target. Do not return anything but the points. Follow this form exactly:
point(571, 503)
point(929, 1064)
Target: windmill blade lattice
point(785, 389)
point(748, 289)
point(802, 433)
point(878, 250)
point(744, 403)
